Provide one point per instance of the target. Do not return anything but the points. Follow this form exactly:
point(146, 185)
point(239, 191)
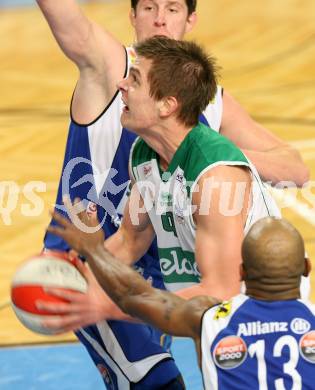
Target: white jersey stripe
point(104, 142)
point(134, 371)
point(210, 328)
point(122, 381)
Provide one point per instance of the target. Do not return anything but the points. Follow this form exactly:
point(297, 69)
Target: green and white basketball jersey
point(168, 197)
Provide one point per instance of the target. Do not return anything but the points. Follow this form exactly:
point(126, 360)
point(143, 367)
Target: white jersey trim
point(122, 381)
point(101, 133)
point(132, 174)
point(134, 371)
point(214, 110)
point(308, 304)
point(126, 371)
point(208, 368)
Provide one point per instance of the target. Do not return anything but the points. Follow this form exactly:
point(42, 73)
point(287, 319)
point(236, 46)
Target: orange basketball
point(29, 282)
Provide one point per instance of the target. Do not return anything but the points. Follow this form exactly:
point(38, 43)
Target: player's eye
point(134, 78)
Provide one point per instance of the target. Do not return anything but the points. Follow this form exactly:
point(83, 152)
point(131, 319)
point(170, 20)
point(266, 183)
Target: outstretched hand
point(83, 233)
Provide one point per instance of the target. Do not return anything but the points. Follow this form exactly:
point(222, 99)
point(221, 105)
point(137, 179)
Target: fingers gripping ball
point(28, 286)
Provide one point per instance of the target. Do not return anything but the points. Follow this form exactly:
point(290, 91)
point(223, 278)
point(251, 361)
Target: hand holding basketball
point(29, 285)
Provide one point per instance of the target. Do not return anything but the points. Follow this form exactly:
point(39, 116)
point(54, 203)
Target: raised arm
point(220, 217)
point(100, 58)
point(274, 159)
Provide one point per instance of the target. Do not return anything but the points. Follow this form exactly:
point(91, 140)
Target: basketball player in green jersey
point(180, 169)
point(101, 60)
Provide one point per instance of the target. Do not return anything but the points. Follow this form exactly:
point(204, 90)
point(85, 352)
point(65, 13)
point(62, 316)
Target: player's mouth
point(125, 108)
point(162, 32)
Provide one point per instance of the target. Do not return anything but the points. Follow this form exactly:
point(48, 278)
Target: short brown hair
point(191, 5)
point(183, 70)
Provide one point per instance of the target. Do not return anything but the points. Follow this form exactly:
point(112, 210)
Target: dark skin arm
point(130, 291)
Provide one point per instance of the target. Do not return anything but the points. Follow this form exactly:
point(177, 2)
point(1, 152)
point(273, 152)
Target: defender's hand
point(82, 309)
point(82, 233)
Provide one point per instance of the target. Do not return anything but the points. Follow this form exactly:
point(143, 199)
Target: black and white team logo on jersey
point(300, 325)
point(307, 346)
point(230, 352)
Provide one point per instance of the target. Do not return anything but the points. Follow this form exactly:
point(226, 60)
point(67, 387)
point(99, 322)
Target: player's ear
point(132, 17)
point(307, 266)
point(167, 106)
point(191, 21)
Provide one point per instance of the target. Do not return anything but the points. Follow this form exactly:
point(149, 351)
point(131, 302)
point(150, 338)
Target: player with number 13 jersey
point(242, 348)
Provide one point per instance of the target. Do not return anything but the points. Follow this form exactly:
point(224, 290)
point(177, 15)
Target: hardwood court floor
point(267, 53)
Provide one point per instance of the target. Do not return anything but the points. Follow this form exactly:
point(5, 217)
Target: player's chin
point(127, 119)
point(129, 124)
point(124, 119)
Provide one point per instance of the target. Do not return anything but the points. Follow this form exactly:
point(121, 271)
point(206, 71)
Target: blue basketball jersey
point(124, 353)
point(95, 169)
point(249, 344)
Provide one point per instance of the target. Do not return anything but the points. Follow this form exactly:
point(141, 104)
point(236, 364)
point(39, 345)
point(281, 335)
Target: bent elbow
point(304, 175)
point(303, 171)
point(300, 171)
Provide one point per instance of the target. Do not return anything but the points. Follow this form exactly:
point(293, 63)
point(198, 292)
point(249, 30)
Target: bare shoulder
point(219, 179)
point(195, 308)
point(222, 172)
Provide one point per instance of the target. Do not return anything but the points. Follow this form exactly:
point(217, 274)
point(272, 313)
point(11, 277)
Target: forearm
point(127, 249)
point(117, 314)
point(135, 296)
point(115, 245)
point(274, 159)
point(69, 26)
point(116, 278)
point(279, 164)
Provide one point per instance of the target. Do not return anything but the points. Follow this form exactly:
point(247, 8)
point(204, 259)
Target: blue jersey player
point(95, 169)
point(266, 339)
point(128, 356)
point(263, 340)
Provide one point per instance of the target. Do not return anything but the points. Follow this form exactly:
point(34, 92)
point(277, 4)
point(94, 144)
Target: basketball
point(28, 286)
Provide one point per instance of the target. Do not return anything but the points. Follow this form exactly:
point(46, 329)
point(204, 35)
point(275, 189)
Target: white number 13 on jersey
point(289, 367)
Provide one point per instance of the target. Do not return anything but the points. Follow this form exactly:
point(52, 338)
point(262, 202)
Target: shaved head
point(273, 254)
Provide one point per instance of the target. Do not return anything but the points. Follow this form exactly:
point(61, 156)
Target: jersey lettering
point(257, 328)
point(178, 265)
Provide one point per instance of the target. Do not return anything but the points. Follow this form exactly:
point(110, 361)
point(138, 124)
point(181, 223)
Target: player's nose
point(122, 85)
point(160, 18)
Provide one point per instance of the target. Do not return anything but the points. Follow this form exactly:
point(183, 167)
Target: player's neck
point(165, 140)
point(272, 293)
